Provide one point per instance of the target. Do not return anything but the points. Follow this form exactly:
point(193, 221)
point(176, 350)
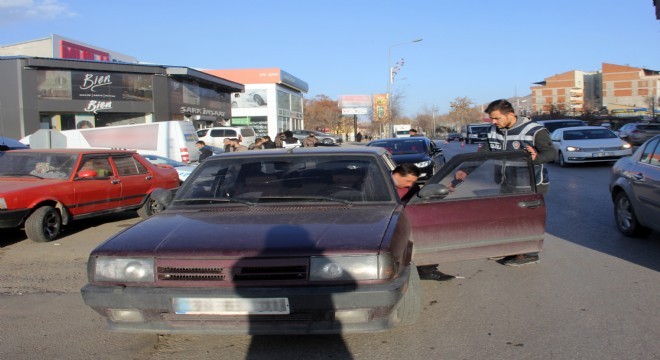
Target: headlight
point(625, 146)
point(3, 203)
point(572, 148)
point(423, 164)
point(359, 267)
point(123, 269)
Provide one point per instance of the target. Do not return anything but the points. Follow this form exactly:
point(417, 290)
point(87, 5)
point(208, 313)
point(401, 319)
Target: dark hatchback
point(305, 241)
point(418, 150)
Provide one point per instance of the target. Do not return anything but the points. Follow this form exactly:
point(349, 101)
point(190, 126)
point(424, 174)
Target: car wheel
point(625, 217)
point(149, 208)
point(327, 141)
point(410, 304)
point(562, 161)
point(44, 224)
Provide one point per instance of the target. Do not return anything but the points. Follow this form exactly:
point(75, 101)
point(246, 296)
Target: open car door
point(478, 205)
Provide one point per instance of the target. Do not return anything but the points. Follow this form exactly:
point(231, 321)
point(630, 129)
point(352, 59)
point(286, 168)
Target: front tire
point(44, 224)
point(562, 161)
point(625, 217)
point(410, 304)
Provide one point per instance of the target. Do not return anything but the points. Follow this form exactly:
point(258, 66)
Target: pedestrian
point(204, 150)
point(279, 140)
point(289, 140)
point(257, 145)
point(268, 143)
point(510, 132)
point(310, 140)
point(226, 142)
point(405, 178)
point(358, 137)
point(236, 145)
point(412, 132)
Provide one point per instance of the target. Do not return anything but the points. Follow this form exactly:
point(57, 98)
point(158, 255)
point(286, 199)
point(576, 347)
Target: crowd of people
point(282, 140)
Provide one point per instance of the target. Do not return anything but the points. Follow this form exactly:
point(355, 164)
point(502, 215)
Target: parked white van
point(216, 135)
point(171, 139)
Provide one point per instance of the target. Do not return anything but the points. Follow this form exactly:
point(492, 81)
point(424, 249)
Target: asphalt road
point(593, 296)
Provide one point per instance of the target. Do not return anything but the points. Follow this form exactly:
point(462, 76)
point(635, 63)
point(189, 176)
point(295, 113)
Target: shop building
point(63, 94)
point(272, 101)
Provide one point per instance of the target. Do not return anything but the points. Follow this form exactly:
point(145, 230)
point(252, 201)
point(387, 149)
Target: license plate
point(231, 306)
point(602, 154)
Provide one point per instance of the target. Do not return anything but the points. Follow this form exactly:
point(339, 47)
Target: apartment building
point(617, 89)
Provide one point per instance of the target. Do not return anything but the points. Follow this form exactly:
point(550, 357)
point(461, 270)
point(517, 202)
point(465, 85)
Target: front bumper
point(587, 157)
point(313, 309)
point(12, 218)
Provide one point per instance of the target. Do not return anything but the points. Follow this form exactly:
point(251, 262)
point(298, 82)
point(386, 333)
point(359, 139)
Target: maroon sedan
point(43, 190)
point(307, 241)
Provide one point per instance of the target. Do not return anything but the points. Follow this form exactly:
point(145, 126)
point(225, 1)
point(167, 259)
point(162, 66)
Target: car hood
point(12, 185)
point(256, 231)
point(410, 158)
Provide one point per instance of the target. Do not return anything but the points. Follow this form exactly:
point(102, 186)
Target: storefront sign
point(201, 111)
point(95, 105)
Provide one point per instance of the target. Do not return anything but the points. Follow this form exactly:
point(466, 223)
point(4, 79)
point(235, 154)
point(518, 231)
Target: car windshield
point(558, 125)
point(479, 129)
point(405, 147)
point(251, 180)
point(588, 134)
point(37, 164)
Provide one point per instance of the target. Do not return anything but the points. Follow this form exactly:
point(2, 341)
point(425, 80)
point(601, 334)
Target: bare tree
point(322, 112)
point(463, 111)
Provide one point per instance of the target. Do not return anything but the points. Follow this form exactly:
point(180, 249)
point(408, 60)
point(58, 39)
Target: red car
point(45, 189)
point(308, 241)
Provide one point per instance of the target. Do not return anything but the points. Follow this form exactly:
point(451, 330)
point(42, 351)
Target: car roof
point(77, 151)
point(582, 128)
point(424, 138)
point(321, 150)
point(558, 120)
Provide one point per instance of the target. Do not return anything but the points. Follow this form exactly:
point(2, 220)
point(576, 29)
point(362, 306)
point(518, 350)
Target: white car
point(585, 144)
point(182, 169)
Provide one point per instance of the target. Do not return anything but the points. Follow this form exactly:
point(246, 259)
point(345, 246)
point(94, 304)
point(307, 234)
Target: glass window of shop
point(92, 85)
point(189, 98)
point(70, 121)
point(289, 111)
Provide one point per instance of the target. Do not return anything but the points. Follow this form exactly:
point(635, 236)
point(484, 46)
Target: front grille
point(597, 149)
point(192, 272)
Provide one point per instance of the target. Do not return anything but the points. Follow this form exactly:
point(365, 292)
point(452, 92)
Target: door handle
point(115, 182)
point(149, 177)
point(638, 177)
point(532, 204)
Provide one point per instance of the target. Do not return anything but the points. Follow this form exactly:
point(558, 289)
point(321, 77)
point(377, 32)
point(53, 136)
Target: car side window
point(101, 165)
point(127, 165)
point(651, 154)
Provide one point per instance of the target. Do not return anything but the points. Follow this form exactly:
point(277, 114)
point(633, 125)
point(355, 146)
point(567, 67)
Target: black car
point(454, 136)
point(418, 150)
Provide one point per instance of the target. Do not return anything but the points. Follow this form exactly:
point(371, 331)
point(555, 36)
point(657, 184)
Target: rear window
point(247, 132)
point(654, 127)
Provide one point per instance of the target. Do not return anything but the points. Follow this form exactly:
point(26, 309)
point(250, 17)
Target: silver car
point(325, 139)
point(637, 133)
point(587, 144)
point(635, 189)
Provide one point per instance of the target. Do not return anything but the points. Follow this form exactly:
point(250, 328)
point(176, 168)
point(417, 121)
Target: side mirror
point(430, 191)
point(86, 174)
point(162, 197)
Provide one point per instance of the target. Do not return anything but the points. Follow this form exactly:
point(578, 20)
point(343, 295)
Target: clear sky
point(480, 49)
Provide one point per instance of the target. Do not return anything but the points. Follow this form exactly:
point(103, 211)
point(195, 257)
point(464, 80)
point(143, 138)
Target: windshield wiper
point(314, 197)
point(215, 200)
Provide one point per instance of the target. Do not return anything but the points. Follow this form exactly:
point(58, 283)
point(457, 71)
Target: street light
point(390, 80)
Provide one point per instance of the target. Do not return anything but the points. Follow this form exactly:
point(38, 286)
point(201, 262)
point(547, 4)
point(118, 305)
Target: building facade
point(47, 93)
point(615, 89)
point(59, 47)
point(272, 101)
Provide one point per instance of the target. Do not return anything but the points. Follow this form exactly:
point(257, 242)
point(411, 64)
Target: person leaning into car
point(405, 178)
point(511, 132)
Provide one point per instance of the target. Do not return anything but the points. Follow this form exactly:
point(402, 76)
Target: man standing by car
point(405, 178)
point(205, 151)
point(513, 133)
point(310, 140)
